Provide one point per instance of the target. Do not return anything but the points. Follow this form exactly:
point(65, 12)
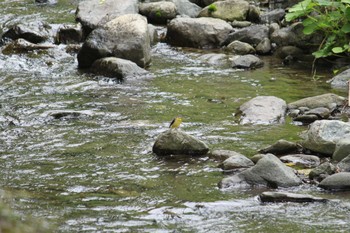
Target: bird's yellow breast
point(176, 122)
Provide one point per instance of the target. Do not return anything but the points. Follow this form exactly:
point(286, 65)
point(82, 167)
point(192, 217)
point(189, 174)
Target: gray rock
point(153, 35)
point(34, 32)
point(289, 197)
point(185, 7)
point(176, 142)
point(344, 164)
point(236, 161)
point(339, 181)
point(253, 14)
point(216, 59)
point(69, 34)
point(285, 51)
point(323, 135)
point(124, 37)
point(281, 147)
point(302, 160)
point(342, 148)
point(322, 171)
point(117, 68)
point(263, 110)
point(264, 47)
point(257, 157)
point(158, 12)
point(92, 14)
point(274, 16)
point(269, 171)
point(293, 35)
point(23, 46)
point(325, 100)
point(252, 35)
point(321, 112)
point(306, 119)
point(341, 80)
point(228, 10)
point(240, 48)
point(247, 62)
point(198, 33)
point(223, 154)
point(240, 24)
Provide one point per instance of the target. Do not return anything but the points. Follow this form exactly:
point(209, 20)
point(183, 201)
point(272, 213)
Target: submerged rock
point(339, 181)
point(177, 142)
point(117, 68)
point(289, 197)
point(263, 110)
point(21, 46)
point(269, 171)
point(323, 135)
point(198, 33)
point(247, 62)
point(281, 147)
point(124, 37)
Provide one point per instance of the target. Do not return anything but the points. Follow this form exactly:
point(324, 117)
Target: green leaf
point(337, 50)
point(302, 6)
point(309, 29)
point(345, 1)
point(346, 28)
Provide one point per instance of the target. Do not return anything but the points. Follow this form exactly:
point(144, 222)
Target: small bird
point(175, 123)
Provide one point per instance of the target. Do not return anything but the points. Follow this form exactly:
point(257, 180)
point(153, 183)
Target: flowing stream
point(76, 149)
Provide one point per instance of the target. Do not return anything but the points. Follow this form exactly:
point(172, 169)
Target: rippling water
point(75, 149)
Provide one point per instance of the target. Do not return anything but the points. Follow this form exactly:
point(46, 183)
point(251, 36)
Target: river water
point(76, 149)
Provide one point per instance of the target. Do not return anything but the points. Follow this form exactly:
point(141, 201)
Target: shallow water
point(91, 168)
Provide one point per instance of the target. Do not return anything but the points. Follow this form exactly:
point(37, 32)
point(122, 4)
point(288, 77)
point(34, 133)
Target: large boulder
point(323, 135)
point(269, 171)
point(94, 13)
point(117, 68)
point(252, 35)
point(263, 110)
point(341, 80)
point(158, 12)
point(228, 10)
point(185, 7)
point(198, 33)
point(124, 37)
point(177, 142)
point(338, 181)
point(325, 100)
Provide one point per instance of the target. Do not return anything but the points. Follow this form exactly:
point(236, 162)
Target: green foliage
point(212, 8)
point(329, 17)
point(158, 14)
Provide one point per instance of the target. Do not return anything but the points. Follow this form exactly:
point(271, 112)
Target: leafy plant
point(329, 17)
point(212, 8)
point(158, 14)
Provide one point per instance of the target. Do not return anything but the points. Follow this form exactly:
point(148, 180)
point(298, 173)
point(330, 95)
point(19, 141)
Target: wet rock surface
point(281, 147)
point(289, 197)
point(263, 110)
point(247, 62)
point(177, 142)
point(337, 182)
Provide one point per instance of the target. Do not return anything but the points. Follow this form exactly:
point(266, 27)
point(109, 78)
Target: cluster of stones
point(117, 36)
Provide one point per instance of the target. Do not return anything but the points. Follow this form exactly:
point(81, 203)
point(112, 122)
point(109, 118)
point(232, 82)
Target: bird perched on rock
point(175, 123)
